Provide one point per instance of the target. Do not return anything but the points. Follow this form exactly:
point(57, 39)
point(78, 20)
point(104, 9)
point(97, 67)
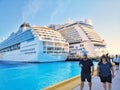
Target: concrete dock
point(97, 85)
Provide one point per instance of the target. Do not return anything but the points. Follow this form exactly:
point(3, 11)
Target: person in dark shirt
point(104, 69)
point(108, 57)
point(86, 73)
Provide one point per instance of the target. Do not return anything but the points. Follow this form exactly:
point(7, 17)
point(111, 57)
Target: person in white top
point(116, 60)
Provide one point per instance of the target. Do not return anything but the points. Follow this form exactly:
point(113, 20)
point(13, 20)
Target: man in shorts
point(86, 71)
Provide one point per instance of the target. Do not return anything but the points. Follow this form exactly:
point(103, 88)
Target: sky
point(105, 15)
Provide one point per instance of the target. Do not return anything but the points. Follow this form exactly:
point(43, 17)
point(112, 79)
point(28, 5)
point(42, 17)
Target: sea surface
point(35, 76)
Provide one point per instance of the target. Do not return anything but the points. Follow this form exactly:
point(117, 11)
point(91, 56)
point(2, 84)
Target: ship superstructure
point(34, 44)
point(82, 36)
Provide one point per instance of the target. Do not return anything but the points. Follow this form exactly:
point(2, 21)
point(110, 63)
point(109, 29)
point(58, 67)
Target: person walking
point(105, 71)
point(116, 60)
point(87, 69)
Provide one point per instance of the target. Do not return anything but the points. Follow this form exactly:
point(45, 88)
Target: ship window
point(47, 38)
point(11, 48)
point(49, 51)
point(30, 52)
point(44, 51)
point(81, 45)
point(71, 46)
point(50, 48)
point(55, 51)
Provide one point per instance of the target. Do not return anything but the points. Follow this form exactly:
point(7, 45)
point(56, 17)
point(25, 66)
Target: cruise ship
point(81, 36)
point(34, 44)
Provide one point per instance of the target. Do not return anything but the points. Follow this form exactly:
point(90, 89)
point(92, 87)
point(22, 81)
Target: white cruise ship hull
point(32, 52)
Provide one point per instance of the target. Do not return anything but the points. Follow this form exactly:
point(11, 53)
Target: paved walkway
point(97, 85)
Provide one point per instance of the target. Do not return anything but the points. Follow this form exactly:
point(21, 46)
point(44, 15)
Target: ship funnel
point(88, 21)
point(25, 26)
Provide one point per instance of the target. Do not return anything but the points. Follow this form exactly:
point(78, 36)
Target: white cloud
point(30, 9)
point(60, 9)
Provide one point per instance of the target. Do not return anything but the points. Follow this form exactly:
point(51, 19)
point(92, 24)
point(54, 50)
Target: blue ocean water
point(35, 76)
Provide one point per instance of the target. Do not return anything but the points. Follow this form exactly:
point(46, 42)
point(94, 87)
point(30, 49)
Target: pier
point(97, 85)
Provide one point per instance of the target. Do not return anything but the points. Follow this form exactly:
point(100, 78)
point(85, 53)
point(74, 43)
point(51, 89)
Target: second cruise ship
point(34, 44)
point(81, 36)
